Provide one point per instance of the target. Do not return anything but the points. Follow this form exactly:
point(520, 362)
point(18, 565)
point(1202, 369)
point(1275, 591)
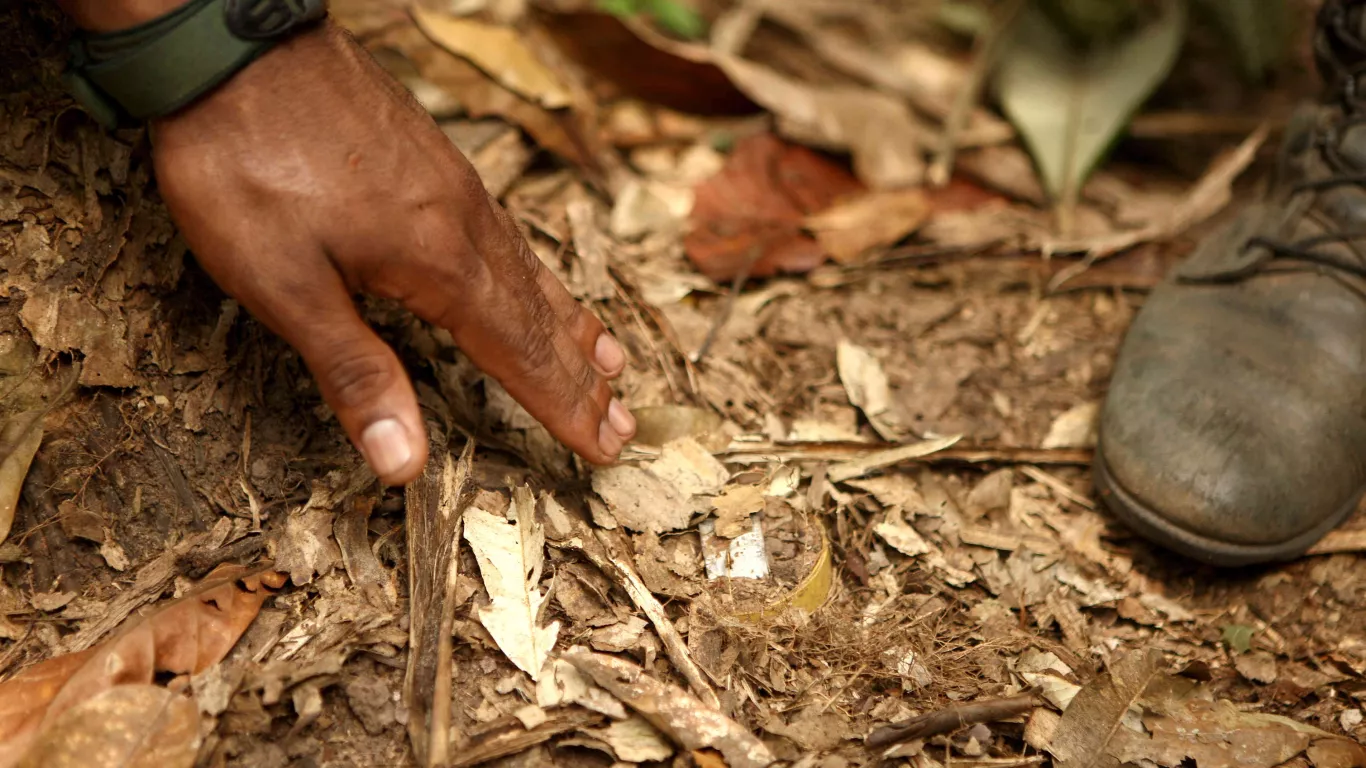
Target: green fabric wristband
point(159, 67)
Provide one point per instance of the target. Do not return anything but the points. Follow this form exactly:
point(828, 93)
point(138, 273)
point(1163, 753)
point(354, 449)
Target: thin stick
point(738, 283)
point(987, 50)
point(609, 552)
point(439, 736)
point(951, 719)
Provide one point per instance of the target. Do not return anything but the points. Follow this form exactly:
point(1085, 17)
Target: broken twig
point(951, 719)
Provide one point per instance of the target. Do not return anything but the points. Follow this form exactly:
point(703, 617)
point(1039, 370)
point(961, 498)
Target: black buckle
point(271, 19)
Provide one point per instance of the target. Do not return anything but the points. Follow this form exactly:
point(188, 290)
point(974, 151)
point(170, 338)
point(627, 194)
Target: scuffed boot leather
point(1235, 427)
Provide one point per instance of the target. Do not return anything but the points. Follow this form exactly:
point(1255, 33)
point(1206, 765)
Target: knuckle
point(585, 378)
point(357, 379)
point(535, 353)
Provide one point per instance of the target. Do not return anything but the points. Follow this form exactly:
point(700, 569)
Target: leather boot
point(1235, 427)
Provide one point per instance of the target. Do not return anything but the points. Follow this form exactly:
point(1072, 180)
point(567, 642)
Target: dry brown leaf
point(901, 536)
point(1184, 725)
point(677, 713)
point(590, 279)
point(866, 384)
point(751, 214)
point(499, 51)
point(660, 424)
point(879, 130)
point(1088, 726)
point(610, 552)
point(929, 78)
point(19, 441)
point(734, 507)
point(308, 548)
point(510, 556)
point(664, 494)
point(60, 318)
point(129, 726)
point(642, 501)
point(557, 131)
point(849, 229)
point(1205, 198)
point(1074, 428)
point(689, 467)
point(634, 740)
point(185, 637)
point(563, 684)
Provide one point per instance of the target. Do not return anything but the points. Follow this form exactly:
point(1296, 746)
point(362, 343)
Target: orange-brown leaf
point(184, 637)
point(756, 207)
point(131, 726)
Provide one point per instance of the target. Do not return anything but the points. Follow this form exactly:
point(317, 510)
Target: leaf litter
point(899, 435)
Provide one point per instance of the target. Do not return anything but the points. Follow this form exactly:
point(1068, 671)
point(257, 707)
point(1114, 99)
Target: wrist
point(184, 50)
point(107, 16)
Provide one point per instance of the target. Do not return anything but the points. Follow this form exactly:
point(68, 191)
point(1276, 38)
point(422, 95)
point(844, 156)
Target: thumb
point(360, 377)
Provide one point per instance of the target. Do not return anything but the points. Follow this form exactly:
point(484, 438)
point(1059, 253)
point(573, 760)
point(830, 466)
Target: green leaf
point(1070, 103)
point(676, 17)
point(1238, 637)
point(1258, 29)
point(621, 8)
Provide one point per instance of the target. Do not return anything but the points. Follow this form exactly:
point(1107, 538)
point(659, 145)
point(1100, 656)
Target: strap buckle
point(270, 19)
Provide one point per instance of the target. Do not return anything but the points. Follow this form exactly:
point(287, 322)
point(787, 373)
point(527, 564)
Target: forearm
point(112, 15)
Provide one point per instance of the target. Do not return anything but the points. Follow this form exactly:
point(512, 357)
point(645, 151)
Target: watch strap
point(159, 67)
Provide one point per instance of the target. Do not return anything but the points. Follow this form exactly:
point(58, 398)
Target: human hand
point(311, 175)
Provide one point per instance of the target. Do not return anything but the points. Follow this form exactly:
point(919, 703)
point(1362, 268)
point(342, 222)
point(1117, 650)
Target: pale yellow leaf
point(499, 51)
point(510, 556)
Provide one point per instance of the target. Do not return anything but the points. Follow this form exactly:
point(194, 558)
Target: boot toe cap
point(1223, 454)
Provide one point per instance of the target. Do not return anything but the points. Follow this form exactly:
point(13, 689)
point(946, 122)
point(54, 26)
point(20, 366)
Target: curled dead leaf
point(185, 637)
point(130, 726)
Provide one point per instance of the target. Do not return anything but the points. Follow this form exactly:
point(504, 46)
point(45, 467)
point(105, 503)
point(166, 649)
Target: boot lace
point(1336, 37)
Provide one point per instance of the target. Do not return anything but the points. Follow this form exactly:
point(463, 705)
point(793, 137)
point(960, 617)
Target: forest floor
point(906, 426)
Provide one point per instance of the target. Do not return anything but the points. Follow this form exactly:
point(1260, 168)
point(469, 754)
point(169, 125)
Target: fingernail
point(608, 439)
point(609, 354)
point(622, 420)
point(386, 447)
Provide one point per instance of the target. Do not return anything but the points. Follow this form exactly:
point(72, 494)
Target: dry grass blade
point(988, 49)
point(433, 505)
point(675, 712)
point(131, 726)
point(185, 637)
point(891, 457)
